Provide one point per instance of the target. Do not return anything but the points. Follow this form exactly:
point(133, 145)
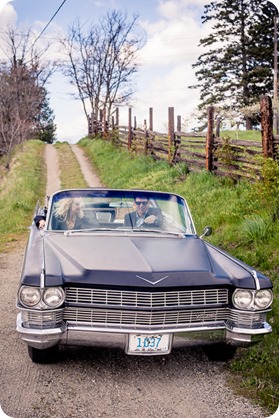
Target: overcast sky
point(173, 29)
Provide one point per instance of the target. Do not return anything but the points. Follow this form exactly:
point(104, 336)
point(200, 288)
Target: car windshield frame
point(109, 210)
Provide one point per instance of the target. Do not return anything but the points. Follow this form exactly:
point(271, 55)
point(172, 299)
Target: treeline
point(24, 102)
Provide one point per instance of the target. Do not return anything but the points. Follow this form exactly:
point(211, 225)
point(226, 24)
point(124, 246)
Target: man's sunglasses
point(141, 203)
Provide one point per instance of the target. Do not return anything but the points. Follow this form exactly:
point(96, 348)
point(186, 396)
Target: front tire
point(45, 356)
point(220, 352)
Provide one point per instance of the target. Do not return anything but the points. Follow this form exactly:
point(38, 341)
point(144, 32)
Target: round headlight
point(53, 297)
point(263, 298)
point(29, 296)
point(242, 298)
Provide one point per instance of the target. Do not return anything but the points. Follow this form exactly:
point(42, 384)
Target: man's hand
point(150, 219)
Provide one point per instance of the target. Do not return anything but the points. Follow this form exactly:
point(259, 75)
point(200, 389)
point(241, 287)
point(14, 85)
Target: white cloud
point(166, 61)
point(8, 16)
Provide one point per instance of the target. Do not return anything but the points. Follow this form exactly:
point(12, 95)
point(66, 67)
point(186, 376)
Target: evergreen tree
point(44, 122)
point(237, 66)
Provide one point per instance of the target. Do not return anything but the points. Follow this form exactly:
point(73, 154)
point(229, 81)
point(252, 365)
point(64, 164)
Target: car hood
point(125, 261)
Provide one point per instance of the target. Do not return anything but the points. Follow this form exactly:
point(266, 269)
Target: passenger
point(68, 214)
point(144, 215)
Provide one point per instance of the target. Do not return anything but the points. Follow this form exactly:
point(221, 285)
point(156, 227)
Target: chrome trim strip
point(42, 278)
point(257, 282)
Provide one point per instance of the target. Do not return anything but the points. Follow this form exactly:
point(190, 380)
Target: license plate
point(149, 344)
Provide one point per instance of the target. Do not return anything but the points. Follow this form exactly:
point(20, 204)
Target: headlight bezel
point(258, 294)
point(254, 304)
point(41, 301)
point(55, 292)
point(22, 294)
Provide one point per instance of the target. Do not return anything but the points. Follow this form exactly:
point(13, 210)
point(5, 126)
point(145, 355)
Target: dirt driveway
point(91, 383)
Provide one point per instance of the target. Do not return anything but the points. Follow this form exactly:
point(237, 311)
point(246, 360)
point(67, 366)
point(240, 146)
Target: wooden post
point(117, 117)
point(209, 139)
point(94, 124)
point(151, 119)
point(105, 124)
point(130, 128)
point(218, 124)
point(145, 133)
point(267, 126)
point(89, 125)
point(177, 140)
point(171, 135)
point(275, 75)
point(100, 122)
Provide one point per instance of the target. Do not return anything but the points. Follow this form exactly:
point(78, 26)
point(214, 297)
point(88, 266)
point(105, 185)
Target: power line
point(49, 22)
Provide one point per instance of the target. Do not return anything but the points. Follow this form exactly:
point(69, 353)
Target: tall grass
point(20, 189)
point(243, 224)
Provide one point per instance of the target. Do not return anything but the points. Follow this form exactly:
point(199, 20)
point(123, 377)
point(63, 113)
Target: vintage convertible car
point(127, 269)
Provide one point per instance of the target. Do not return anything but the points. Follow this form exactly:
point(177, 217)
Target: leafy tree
point(23, 96)
point(237, 66)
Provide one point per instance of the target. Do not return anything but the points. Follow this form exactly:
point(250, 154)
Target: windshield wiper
point(82, 231)
point(159, 231)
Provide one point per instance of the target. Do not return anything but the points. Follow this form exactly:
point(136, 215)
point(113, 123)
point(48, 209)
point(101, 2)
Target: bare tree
point(102, 61)
point(22, 88)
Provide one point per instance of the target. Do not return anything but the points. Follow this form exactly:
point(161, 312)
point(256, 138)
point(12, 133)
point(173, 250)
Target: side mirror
point(206, 232)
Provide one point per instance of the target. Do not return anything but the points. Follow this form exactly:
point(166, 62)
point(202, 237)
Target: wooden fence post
point(89, 125)
point(267, 126)
point(209, 139)
point(177, 140)
point(129, 128)
point(171, 135)
point(145, 134)
point(151, 119)
point(218, 124)
point(117, 117)
point(94, 124)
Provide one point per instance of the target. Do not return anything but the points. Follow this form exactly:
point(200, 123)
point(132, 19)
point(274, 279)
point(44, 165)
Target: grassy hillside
point(245, 221)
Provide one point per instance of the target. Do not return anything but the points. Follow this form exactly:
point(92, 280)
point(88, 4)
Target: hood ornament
point(149, 281)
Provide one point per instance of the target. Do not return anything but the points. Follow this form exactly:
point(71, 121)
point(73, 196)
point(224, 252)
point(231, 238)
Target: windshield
point(102, 209)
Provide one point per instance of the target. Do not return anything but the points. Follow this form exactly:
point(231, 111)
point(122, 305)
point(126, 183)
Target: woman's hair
point(63, 207)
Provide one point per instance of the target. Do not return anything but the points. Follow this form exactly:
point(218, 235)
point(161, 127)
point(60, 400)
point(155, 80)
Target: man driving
point(144, 215)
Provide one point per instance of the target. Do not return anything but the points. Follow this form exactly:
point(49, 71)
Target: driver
point(144, 215)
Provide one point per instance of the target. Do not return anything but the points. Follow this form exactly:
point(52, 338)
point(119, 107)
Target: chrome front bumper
point(70, 334)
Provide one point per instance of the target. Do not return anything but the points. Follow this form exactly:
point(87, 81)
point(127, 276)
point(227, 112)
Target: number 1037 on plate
point(141, 343)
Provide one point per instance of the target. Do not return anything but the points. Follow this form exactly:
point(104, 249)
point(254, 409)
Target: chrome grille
point(120, 298)
point(42, 319)
point(250, 320)
point(166, 319)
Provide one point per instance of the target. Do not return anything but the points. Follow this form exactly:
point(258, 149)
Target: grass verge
point(20, 189)
point(243, 224)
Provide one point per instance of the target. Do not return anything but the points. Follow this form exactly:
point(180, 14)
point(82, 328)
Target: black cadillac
point(126, 268)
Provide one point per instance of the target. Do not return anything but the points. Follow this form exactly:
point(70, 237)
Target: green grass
point(242, 135)
point(70, 173)
point(245, 223)
point(20, 189)
point(244, 217)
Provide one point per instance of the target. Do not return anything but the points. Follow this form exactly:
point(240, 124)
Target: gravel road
point(91, 383)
